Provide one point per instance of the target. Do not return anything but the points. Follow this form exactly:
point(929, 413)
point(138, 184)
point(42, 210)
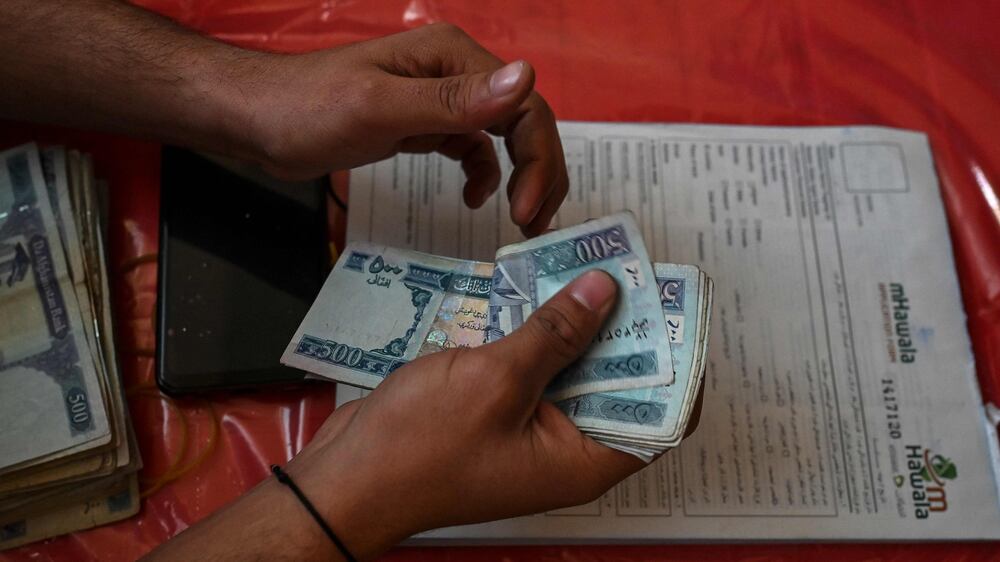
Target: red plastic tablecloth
point(930, 66)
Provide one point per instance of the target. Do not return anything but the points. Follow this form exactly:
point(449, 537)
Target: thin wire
point(175, 469)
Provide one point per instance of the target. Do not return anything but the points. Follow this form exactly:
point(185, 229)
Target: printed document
point(840, 394)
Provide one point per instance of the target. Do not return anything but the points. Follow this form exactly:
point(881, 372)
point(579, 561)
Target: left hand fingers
point(539, 182)
point(479, 162)
point(474, 151)
point(535, 188)
point(534, 147)
point(543, 219)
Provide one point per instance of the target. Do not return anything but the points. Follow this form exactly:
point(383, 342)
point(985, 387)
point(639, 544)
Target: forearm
point(107, 65)
point(268, 523)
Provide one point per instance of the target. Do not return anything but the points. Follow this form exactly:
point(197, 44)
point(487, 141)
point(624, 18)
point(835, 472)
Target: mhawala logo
point(901, 338)
point(928, 473)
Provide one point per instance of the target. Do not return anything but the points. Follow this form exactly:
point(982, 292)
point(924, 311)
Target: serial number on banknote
point(638, 329)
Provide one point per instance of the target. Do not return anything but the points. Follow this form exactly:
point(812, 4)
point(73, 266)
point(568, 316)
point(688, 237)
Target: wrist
point(303, 535)
point(260, 110)
point(266, 522)
point(367, 518)
point(229, 84)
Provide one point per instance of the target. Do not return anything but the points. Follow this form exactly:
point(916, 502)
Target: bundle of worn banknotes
point(633, 390)
point(68, 455)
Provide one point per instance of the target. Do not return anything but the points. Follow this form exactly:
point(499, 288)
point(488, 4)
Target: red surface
point(930, 66)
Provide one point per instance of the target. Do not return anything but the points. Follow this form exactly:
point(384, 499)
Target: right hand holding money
point(633, 390)
point(436, 444)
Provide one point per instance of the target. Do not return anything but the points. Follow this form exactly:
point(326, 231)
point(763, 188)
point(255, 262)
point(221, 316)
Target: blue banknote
point(382, 307)
point(631, 350)
point(50, 395)
point(658, 415)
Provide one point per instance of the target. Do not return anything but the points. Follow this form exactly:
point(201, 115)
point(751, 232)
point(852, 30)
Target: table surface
point(929, 66)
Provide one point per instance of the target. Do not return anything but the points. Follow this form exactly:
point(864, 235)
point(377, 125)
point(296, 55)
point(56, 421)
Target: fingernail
point(593, 289)
point(503, 81)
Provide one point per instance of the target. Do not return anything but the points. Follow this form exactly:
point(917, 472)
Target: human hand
point(428, 89)
point(463, 436)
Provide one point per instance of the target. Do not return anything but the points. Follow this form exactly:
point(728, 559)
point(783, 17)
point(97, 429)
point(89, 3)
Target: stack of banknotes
point(68, 455)
point(635, 387)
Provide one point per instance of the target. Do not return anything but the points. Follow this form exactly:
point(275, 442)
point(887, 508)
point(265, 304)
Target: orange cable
point(157, 482)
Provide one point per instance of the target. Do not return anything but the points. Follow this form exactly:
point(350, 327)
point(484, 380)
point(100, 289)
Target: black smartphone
point(242, 256)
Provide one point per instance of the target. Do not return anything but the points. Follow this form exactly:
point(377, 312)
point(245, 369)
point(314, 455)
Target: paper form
point(840, 399)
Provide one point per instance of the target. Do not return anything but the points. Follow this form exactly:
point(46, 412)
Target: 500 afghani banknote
point(632, 349)
point(382, 307)
point(658, 414)
point(50, 396)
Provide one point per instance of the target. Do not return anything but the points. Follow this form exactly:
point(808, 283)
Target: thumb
point(556, 334)
point(465, 102)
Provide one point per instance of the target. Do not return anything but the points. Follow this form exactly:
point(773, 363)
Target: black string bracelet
point(285, 479)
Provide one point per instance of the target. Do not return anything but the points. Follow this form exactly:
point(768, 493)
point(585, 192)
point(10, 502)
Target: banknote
point(118, 500)
point(382, 307)
point(641, 422)
point(632, 348)
point(55, 171)
point(65, 199)
point(51, 397)
point(87, 276)
point(657, 416)
point(68, 454)
point(633, 389)
point(91, 283)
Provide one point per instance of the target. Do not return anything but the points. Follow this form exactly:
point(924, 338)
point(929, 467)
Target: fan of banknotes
point(68, 454)
point(633, 390)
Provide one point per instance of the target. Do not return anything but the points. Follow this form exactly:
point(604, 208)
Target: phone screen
point(242, 256)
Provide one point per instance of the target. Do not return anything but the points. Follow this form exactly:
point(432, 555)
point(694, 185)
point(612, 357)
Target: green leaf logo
point(943, 467)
